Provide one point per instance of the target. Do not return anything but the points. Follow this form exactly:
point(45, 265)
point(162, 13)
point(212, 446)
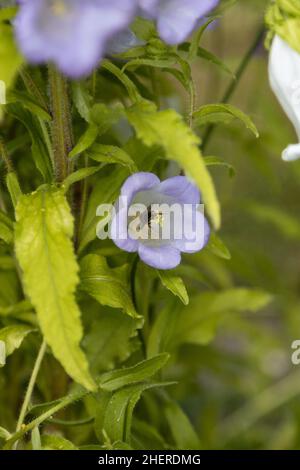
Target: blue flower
point(159, 220)
point(73, 34)
point(176, 19)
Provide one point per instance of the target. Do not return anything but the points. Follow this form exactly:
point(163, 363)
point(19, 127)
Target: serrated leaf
point(174, 284)
point(50, 273)
point(12, 336)
point(108, 286)
point(116, 379)
point(167, 128)
point(214, 113)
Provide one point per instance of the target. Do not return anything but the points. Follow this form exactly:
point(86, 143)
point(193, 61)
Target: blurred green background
point(243, 390)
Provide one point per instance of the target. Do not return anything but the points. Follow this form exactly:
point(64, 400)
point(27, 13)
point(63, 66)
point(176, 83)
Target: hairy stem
point(61, 123)
point(236, 80)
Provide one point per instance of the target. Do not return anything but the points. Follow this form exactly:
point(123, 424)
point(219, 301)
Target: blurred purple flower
point(176, 19)
point(145, 190)
point(73, 34)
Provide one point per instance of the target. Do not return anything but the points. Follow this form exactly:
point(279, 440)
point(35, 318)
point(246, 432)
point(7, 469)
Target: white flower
point(284, 76)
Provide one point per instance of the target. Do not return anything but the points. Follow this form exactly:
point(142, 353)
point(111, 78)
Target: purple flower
point(176, 19)
point(73, 34)
point(159, 220)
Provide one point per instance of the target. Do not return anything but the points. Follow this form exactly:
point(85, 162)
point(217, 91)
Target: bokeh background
point(242, 389)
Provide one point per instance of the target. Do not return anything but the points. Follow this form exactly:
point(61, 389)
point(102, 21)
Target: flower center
point(58, 7)
point(155, 217)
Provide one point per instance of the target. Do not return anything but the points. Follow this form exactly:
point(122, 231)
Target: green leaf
point(13, 187)
point(211, 113)
point(6, 233)
point(4, 434)
point(39, 148)
point(119, 411)
point(108, 286)
point(217, 247)
point(12, 336)
point(104, 193)
point(10, 58)
point(197, 323)
point(166, 128)
point(215, 161)
point(36, 439)
point(82, 100)
point(111, 154)
point(53, 442)
point(142, 371)
point(16, 96)
point(174, 284)
point(79, 175)
point(208, 56)
point(50, 273)
point(86, 140)
point(182, 430)
point(124, 79)
point(109, 339)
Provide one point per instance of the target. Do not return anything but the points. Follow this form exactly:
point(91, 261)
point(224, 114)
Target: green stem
point(61, 123)
point(31, 385)
point(134, 299)
point(43, 417)
point(5, 157)
point(236, 80)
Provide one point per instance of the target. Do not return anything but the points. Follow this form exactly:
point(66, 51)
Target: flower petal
point(162, 257)
point(180, 189)
point(284, 75)
point(291, 153)
point(119, 230)
point(141, 181)
point(177, 18)
point(71, 33)
point(196, 232)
